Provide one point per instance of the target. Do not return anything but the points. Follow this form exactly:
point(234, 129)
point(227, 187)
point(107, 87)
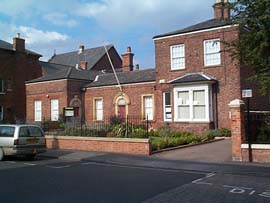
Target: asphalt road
point(54, 180)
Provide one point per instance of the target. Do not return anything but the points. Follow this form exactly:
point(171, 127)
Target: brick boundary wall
point(114, 145)
point(260, 152)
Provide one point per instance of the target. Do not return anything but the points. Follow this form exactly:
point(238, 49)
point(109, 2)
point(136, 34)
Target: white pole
point(120, 87)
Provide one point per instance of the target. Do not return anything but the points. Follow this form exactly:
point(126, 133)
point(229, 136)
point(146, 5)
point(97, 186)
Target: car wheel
point(1, 154)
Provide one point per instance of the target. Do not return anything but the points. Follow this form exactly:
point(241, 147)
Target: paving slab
point(217, 152)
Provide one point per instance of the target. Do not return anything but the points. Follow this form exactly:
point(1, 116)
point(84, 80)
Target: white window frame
point(181, 46)
point(38, 112)
point(206, 63)
point(54, 110)
point(144, 107)
point(2, 83)
point(1, 113)
point(190, 89)
point(98, 113)
point(167, 106)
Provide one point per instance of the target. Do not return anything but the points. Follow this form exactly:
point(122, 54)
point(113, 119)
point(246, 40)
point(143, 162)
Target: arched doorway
point(121, 102)
point(76, 104)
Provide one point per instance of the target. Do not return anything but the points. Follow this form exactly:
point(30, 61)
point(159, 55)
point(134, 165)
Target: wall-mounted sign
point(69, 111)
point(247, 93)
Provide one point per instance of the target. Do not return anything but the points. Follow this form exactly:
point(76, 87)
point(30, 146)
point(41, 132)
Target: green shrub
point(225, 132)
point(139, 133)
point(165, 131)
point(166, 142)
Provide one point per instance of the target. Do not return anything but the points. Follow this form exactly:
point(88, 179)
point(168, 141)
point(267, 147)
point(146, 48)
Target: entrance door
point(122, 111)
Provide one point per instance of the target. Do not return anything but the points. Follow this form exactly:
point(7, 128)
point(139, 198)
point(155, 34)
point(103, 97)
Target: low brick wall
point(115, 145)
point(260, 153)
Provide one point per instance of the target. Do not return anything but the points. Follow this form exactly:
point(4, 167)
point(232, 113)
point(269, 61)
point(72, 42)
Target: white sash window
point(54, 109)
point(38, 111)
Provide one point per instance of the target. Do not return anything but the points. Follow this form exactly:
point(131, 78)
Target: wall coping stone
point(236, 103)
point(256, 146)
point(104, 139)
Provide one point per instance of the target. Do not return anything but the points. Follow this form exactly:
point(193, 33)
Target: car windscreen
point(7, 131)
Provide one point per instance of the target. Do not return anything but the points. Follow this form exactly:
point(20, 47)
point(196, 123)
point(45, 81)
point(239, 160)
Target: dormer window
point(212, 52)
point(178, 57)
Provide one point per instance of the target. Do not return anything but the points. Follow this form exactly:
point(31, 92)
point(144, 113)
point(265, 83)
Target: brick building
point(62, 81)
point(189, 89)
point(17, 66)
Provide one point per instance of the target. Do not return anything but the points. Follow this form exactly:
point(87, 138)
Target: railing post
point(147, 134)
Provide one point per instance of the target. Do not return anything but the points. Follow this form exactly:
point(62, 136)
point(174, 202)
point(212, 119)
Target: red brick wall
point(45, 92)
point(64, 90)
point(134, 92)
point(123, 145)
point(18, 67)
point(258, 155)
point(227, 74)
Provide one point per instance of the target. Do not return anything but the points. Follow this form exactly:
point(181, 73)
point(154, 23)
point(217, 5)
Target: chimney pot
point(81, 49)
point(128, 49)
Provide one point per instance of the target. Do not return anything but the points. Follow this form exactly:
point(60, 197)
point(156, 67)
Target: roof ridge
point(84, 49)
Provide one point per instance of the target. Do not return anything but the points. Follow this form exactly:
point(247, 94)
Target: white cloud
point(33, 35)
point(60, 19)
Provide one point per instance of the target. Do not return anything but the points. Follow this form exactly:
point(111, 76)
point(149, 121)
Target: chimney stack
point(81, 49)
point(222, 9)
point(83, 65)
point(127, 60)
point(18, 43)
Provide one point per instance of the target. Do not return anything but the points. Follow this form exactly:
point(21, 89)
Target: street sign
point(247, 93)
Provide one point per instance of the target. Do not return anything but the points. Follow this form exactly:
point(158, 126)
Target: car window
point(24, 132)
point(35, 132)
point(7, 131)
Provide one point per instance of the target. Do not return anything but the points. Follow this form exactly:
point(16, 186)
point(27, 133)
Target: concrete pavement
point(219, 152)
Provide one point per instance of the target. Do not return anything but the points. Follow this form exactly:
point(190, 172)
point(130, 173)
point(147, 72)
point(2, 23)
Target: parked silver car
point(27, 140)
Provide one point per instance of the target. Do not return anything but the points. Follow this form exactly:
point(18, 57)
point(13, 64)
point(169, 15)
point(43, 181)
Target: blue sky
point(65, 24)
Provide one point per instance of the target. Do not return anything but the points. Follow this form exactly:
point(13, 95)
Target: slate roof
point(192, 78)
point(213, 23)
point(49, 68)
point(92, 56)
point(137, 76)
point(8, 46)
point(68, 73)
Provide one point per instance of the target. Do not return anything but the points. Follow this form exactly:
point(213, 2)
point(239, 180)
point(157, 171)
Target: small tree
point(253, 47)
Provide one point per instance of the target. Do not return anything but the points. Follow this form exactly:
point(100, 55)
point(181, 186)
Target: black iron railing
point(258, 128)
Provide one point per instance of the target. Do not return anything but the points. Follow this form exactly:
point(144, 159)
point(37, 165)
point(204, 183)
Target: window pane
point(38, 111)
point(99, 109)
point(54, 109)
point(1, 113)
point(199, 97)
point(183, 97)
point(212, 52)
point(178, 56)
point(148, 107)
point(199, 112)
point(1, 85)
point(35, 132)
point(168, 99)
point(24, 132)
point(6, 131)
point(183, 112)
